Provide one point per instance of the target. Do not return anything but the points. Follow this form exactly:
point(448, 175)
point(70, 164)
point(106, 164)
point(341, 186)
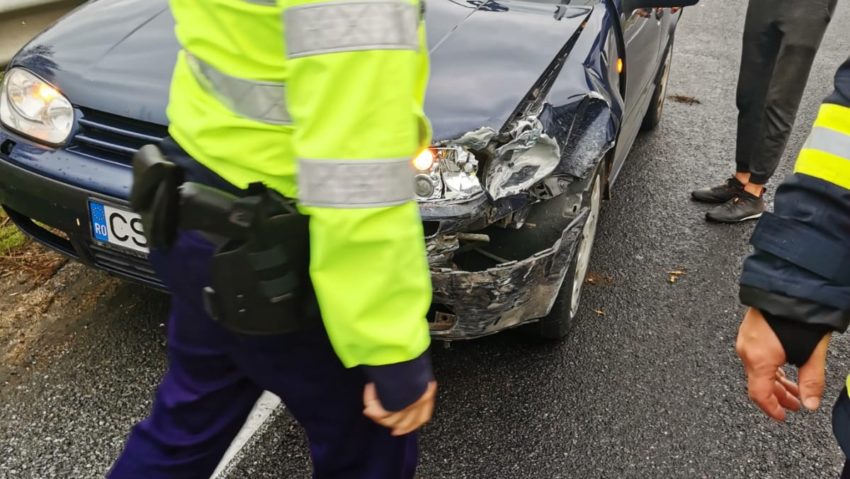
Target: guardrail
point(20, 20)
point(7, 6)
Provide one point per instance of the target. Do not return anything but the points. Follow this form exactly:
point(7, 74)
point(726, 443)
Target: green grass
point(11, 237)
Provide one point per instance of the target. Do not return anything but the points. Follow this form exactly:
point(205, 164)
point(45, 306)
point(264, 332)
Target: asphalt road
point(650, 389)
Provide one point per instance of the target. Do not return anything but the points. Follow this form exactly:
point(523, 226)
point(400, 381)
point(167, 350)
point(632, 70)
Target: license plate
point(117, 227)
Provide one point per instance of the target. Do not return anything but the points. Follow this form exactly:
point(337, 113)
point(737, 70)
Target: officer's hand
point(763, 358)
point(812, 375)
point(405, 421)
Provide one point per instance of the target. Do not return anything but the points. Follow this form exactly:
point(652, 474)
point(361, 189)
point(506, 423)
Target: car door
point(642, 33)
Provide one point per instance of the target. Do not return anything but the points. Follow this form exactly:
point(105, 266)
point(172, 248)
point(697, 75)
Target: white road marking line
point(261, 413)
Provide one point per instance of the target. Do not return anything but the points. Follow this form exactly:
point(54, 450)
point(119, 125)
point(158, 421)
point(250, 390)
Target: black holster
point(260, 282)
point(154, 195)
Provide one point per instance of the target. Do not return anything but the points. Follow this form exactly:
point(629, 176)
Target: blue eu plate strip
point(98, 222)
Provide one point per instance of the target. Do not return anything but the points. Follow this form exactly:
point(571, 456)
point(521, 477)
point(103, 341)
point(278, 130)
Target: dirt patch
point(35, 262)
point(19, 253)
point(40, 295)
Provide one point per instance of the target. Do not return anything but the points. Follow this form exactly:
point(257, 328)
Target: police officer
point(797, 283)
point(320, 101)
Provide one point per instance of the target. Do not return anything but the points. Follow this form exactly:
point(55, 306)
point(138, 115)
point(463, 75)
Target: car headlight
point(34, 108)
point(446, 173)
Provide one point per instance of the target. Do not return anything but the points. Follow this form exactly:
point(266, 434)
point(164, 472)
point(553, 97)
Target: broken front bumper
point(472, 304)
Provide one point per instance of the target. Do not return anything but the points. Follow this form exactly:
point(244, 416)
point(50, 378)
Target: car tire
point(656, 105)
point(559, 322)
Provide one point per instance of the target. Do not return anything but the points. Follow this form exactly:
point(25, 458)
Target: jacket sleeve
point(799, 273)
point(354, 71)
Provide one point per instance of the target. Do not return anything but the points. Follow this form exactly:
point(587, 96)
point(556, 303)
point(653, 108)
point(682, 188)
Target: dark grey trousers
point(781, 38)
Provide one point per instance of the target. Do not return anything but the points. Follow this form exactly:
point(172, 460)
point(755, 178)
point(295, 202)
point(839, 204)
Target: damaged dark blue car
point(535, 105)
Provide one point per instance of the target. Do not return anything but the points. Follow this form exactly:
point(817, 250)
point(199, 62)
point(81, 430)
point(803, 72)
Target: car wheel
point(558, 323)
point(656, 106)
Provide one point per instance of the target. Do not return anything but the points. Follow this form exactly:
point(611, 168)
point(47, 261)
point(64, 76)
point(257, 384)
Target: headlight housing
point(34, 108)
point(446, 173)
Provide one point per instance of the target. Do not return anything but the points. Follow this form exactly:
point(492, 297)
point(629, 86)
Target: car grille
point(108, 137)
point(135, 267)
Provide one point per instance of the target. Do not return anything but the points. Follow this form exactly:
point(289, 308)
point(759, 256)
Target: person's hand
point(763, 357)
point(405, 421)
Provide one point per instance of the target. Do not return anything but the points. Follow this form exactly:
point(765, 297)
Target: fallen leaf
point(675, 274)
point(687, 100)
point(598, 278)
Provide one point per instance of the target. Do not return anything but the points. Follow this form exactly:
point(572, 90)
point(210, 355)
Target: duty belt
point(260, 280)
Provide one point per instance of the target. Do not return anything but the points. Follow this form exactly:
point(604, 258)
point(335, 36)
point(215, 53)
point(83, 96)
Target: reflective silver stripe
point(355, 183)
point(351, 26)
point(267, 3)
point(829, 141)
point(257, 100)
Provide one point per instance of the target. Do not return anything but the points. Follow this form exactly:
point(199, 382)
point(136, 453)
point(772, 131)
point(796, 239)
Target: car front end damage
point(476, 302)
point(505, 208)
point(504, 213)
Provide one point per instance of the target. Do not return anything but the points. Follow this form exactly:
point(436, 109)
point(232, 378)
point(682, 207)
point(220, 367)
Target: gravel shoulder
point(41, 295)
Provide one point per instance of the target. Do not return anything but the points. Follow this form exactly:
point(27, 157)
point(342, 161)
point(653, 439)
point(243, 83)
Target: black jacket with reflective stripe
point(800, 270)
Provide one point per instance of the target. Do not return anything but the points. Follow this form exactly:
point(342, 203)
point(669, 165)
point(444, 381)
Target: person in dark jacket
point(781, 38)
point(797, 282)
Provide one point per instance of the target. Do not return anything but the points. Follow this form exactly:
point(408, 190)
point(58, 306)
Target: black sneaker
point(743, 207)
point(720, 193)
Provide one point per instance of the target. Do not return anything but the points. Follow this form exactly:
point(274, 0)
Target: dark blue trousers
point(214, 378)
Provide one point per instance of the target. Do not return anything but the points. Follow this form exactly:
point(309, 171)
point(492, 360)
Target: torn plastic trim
point(528, 158)
point(475, 140)
point(472, 304)
point(591, 135)
point(524, 156)
point(453, 216)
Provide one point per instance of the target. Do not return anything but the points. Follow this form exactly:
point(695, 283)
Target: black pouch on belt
point(261, 285)
point(260, 280)
point(155, 195)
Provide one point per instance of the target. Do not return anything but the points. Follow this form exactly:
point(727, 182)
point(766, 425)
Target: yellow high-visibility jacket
point(321, 101)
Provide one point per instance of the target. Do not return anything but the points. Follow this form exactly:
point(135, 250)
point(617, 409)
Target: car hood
point(116, 56)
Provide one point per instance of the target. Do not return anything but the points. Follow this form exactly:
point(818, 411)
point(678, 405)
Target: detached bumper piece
point(472, 304)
